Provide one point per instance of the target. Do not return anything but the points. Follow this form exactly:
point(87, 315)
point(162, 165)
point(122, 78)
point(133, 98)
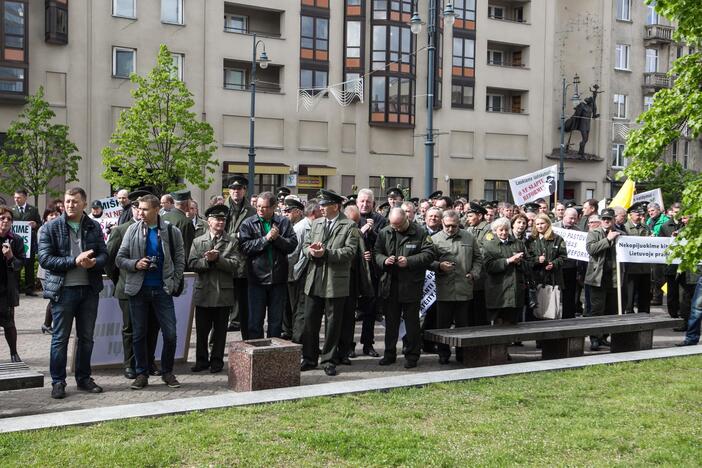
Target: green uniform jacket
point(599, 248)
point(480, 232)
point(185, 225)
point(214, 286)
point(234, 220)
point(640, 230)
point(117, 276)
point(417, 246)
point(464, 250)
point(328, 276)
point(201, 227)
point(555, 251)
point(504, 283)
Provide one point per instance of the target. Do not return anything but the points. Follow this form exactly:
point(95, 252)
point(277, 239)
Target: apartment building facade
point(498, 87)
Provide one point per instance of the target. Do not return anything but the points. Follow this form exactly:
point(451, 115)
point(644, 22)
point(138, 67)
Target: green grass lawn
point(647, 413)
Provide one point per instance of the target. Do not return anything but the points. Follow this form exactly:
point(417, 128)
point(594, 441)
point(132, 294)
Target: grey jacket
point(133, 249)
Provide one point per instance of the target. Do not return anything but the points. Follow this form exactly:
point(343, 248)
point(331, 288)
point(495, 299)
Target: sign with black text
point(539, 184)
point(24, 230)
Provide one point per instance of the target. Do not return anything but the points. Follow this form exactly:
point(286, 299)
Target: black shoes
point(686, 343)
point(345, 361)
point(129, 373)
point(594, 344)
point(15, 358)
point(368, 350)
point(30, 293)
point(198, 367)
point(45, 329)
point(410, 364)
point(305, 366)
point(89, 386)
point(605, 342)
point(216, 368)
point(330, 370)
point(680, 329)
point(386, 361)
point(352, 354)
point(170, 380)
point(58, 390)
point(140, 382)
point(443, 360)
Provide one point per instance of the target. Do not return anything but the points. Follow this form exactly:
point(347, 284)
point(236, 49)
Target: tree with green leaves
point(37, 151)
point(675, 110)
point(158, 141)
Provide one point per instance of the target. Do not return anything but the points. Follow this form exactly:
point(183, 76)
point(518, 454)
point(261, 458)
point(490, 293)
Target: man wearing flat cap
point(395, 197)
point(214, 258)
point(601, 275)
point(281, 193)
point(178, 217)
point(477, 226)
point(637, 280)
point(294, 211)
point(239, 210)
point(331, 246)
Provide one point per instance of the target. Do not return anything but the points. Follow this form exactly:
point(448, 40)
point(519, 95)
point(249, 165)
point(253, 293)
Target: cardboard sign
point(539, 184)
point(24, 230)
point(638, 249)
point(654, 195)
point(575, 243)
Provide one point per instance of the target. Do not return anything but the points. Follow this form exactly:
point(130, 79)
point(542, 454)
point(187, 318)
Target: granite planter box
point(263, 364)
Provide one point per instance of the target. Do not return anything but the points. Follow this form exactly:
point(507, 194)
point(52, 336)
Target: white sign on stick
point(539, 184)
point(575, 243)
point(24, 230)
point(654, 195)
point(638, 249)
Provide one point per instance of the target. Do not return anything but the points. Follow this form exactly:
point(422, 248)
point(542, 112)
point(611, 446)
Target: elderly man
point(199, 224)
point(410, 210)
point(330, 247)
point(126, 204)
point(403, 253)
point(178, 216)
point(479, 228)
point(570, 267)
point(637, 278)
point(73, 253)
point(167, 204)
point(458, 265)
point(589, 209)
point(213, 258)
point(655, 222)
point(293, 210)
point(267, 240)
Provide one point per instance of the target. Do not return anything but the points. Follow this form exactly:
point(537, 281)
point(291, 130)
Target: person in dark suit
point(12, 253)
point(23, 211)
point(179, 218)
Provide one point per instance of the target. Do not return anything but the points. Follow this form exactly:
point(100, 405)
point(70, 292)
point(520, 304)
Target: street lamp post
point(416, 27)
point(263, 61)
point(562, 151)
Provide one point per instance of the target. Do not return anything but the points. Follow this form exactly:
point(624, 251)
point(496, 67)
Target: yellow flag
point(624, 195)
point(664, 288)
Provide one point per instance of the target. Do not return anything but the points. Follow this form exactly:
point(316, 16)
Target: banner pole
point(619, 285)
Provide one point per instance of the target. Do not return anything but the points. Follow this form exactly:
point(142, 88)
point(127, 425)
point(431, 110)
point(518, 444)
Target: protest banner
point(111, 211)
point(654, 195)
point(24, 230)
point(428, 298)
point(575, 243)
point(539, 184)
point(637, 249)
point(107, 347)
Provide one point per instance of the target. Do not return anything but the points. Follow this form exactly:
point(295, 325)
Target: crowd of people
point(273, 265)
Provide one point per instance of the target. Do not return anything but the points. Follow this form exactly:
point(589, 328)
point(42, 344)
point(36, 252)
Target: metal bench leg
point(477, 356)
point(562, 347)
point(633, 341)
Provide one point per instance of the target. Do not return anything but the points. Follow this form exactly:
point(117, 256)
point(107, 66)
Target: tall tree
point(36, 151)
point(158, 141)
point(675, 110)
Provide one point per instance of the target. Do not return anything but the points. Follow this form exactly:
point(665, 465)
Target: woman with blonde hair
point(548, 252)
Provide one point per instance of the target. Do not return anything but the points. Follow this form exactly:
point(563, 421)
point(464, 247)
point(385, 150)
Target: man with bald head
point(126, 204)
point(403, 252)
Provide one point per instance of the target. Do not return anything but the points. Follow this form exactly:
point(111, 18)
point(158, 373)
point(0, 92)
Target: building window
point(621, 57)
point(497, 190)
point(124, 8)
point(56, 22)
point(651, 61)
point(353, 39)
point(234, 78)
point(405, 183)
point(123, 62)
point(651, 14)
point(459, 188)
point(620, 106)
point(624, 10)
point(12, 80)
point(314, 38)
point(648, 102)
point(686, 153)
point(463, 57)
point(13, 25)
point(313, 81)
point(178, 61)
point(465, 14)
point(495, 57)
point(236, 24)
point(618, 159)
point(316, 3)
point(496, 12)
point(495, 103)
point(462, 95)
point(172, 11)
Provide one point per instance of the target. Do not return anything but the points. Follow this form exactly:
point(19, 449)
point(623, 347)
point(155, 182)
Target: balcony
point(501, 54)
point(658, 34)
point(655, 81)
point(516, 11)
point(245, 19)
point(507, 101)
point(237, 76)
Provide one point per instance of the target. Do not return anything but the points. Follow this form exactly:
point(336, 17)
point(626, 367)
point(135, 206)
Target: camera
point(153, 263)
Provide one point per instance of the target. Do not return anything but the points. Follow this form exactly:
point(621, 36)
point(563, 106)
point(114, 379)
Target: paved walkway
point(33, 347)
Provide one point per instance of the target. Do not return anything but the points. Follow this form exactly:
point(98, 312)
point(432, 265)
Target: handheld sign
point(539, 184)
point(24, 230)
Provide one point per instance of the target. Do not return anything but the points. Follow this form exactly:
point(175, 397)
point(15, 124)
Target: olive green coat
point(640, 230)
point(601, 250)
point(185, 225)
point(417, 246)
point(214, 286)
point(118, 276)
point(236, 216)
point(328, 276)
point(504, 283)
point(462, 249)
point(480, 232)
point(554, 250)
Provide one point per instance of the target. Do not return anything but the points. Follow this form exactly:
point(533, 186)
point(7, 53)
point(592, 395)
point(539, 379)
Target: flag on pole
point(625, 195)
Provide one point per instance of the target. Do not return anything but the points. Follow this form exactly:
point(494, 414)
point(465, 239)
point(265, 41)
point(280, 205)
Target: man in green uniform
point(179, 218)
point(637, 280)
point(477, 226)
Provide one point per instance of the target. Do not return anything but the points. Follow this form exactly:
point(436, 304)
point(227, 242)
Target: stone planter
point(263, 364)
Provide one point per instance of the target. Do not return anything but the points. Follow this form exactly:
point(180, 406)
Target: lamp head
point(449, 14)
point(263, 60)
point(415, 23)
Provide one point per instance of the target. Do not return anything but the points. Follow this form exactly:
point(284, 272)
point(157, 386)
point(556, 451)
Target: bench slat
point(18, 375)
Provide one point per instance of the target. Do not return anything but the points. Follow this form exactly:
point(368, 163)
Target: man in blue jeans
point(692, 337)
point(73, 253)
point(152, 255)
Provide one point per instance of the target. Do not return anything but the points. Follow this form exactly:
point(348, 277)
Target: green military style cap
point(238, 181)
point(328, 197)
point(282, 192)
point(181, 195)
point(476, 208)
point(607, 213)
point(395, 192)
point(638, 207)
point(291, 203)
point(436, 195)
point(531, 207)
point(217, 211)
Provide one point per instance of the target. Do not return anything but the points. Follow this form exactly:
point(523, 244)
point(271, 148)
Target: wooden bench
point(18, 375)
point(484, 346)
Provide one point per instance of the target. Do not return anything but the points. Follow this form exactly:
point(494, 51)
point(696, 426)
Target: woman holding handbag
point(548, 251)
